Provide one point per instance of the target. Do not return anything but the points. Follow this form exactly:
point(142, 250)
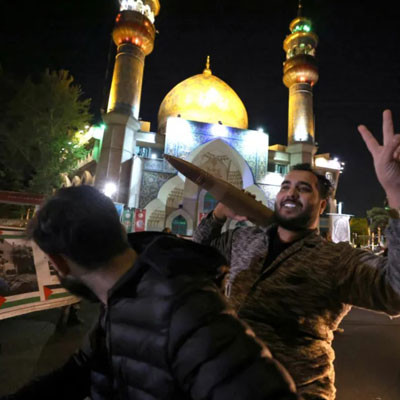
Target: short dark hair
point(325, 187)
point(80, 223)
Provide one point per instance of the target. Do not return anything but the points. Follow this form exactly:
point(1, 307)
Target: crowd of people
point(245, 314)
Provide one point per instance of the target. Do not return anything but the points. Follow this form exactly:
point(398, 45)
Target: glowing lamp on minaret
point(300, 73)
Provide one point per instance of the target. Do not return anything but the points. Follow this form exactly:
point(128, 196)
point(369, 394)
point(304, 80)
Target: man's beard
point(76, 287)
point(300, 222)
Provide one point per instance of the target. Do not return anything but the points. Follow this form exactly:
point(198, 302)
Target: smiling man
point(301, 200)
point(293, 287)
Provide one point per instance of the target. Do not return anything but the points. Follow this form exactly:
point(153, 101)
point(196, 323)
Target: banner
point(127, 219)
point(28, 282)
point(21, 198)
point(140, 220)
point(340, 227)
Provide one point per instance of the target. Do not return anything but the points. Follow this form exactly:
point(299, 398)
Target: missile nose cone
point(189, 170)
point(168, 158)
point(174, 161)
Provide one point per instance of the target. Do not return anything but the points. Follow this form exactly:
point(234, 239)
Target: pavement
point(367, 351)
point(368, 357)
point(33, 344)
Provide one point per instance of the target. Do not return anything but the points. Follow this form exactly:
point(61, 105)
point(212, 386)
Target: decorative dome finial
point(207, 70)
point(299, 8)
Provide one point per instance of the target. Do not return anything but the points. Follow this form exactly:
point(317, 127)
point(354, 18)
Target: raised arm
point(371, 281)
point(386, 158)
point(368, 280)
point(209, 230)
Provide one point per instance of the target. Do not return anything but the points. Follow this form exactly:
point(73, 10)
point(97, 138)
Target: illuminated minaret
point(300, 73)
point(133, 34)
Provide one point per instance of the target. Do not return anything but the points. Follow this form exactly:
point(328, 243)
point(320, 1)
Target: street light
point(110, 188)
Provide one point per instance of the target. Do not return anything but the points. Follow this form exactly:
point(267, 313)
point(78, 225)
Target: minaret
point(133, 34)
point(300, 73)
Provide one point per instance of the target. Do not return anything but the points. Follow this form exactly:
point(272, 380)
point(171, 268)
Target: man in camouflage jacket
point(292, 286)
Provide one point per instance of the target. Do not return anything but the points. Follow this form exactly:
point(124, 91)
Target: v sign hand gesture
point(386, 158)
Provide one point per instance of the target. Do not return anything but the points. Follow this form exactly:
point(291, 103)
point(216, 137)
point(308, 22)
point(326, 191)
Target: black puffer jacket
point(167, 333)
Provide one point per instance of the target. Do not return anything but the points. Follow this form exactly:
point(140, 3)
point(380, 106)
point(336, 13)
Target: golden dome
point(203, 98)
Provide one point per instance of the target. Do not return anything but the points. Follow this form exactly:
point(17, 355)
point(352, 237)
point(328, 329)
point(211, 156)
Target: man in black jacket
point(165, 331)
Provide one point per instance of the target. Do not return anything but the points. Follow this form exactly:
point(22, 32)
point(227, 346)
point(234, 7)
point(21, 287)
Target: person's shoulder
point(171, 255)
point(249, 231)
point(340, 248)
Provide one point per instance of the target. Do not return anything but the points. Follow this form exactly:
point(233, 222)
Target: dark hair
point(80, 223)
point(325, 187)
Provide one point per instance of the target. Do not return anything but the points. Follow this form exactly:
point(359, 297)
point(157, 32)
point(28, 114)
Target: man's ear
point(60, 264)
point(322, 206)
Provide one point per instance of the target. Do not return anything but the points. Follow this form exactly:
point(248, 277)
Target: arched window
point(179, 225)
point(209, 203)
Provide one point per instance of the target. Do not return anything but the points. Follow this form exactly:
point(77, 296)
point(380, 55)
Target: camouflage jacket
point(297, 302)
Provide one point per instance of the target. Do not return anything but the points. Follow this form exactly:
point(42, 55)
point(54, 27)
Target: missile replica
point(237, 200)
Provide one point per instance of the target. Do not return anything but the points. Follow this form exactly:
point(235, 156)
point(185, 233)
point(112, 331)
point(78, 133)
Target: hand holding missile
point(222, 212)
point(240, 204)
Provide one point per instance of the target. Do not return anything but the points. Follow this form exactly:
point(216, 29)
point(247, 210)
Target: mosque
point(201, 120)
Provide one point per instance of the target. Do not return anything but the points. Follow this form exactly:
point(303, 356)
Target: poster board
point(28, 282)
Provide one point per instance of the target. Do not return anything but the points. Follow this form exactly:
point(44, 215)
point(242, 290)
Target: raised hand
point(223, 212)
point(386, 158)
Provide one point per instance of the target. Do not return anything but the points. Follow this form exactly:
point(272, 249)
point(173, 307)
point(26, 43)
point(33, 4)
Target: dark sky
point(358, 56)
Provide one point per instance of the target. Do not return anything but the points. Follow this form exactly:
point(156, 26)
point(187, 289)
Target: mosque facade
point(201, 120)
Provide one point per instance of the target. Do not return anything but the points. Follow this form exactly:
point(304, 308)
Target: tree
point(38, 138)
point(359, 226)
point(378, 218)
point(359, 230)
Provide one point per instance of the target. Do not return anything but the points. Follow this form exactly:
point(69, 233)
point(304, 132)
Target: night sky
point(358, 57)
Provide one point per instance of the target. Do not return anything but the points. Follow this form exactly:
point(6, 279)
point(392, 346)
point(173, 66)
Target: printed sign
point(28, 282)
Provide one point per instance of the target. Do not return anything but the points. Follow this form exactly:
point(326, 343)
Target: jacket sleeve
point(215, 356)
point(370, 281)
point(209, 233)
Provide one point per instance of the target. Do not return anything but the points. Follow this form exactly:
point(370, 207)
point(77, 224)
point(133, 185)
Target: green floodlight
point(303, 28)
